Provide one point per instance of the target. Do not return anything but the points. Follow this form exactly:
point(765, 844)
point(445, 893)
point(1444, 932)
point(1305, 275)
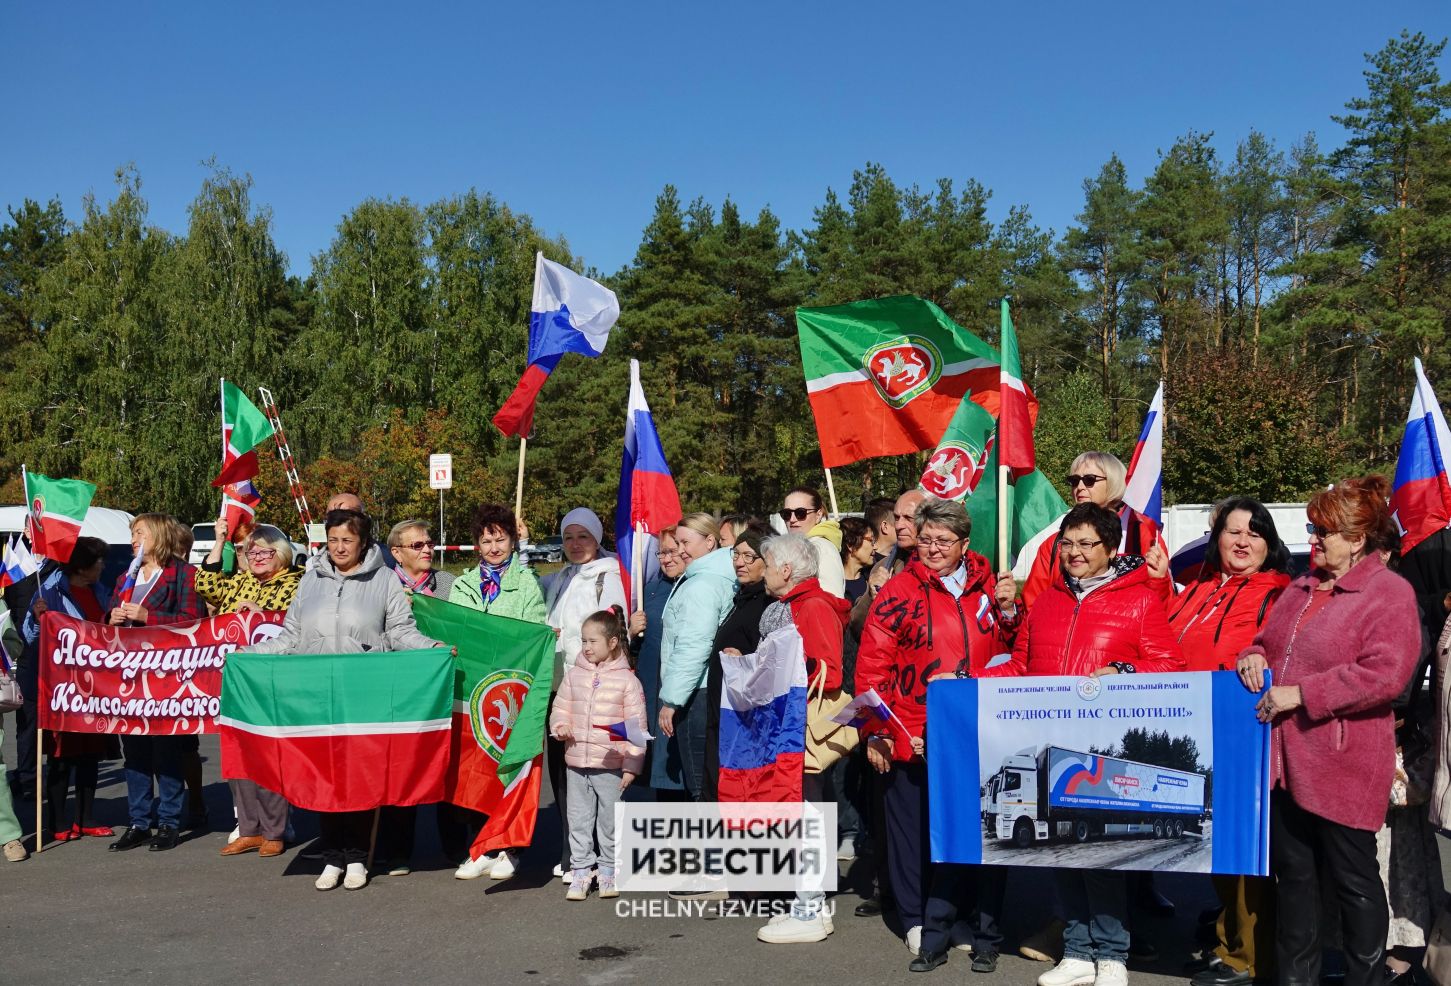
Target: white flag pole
point(637, 566)
point(831, 494)
point(519, 483)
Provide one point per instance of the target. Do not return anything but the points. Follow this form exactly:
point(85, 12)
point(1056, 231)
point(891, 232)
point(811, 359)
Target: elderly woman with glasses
point(411, 546)
point(1098, 616)
point(1097, 477)
point(268, 581)
point(1342, 643)
point(943, 614)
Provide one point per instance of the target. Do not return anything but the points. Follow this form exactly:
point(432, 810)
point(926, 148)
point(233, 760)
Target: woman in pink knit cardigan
point(1340, 645)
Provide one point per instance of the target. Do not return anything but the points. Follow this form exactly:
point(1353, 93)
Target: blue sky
point(579, 113)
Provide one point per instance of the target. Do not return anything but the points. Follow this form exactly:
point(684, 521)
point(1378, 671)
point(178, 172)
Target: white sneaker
point(794, 931)
point(914, 939)
point(1069, 972)
point(846, 852)
point(15, 850)
point(503, 867)
point(825, 920)
point(236, 834)
point(330, 877)
point(357, 877)
point(1111, 974)
point(959, 936)
point(472, 869)
point(561, 873)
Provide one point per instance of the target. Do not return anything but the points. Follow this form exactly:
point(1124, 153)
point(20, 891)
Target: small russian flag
point(129, 586)
point(631, 731)
point(867, 709)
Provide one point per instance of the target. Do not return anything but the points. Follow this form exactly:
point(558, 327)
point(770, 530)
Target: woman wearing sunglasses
point(1099, 477)
point(411, 546)
point(1341, 644)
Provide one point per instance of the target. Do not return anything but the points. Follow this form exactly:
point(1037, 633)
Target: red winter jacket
point(1213, 621)
point(1139, 534)
point(1121, 621)
point(1336, 753)
point(917, 629)
point(820, 618)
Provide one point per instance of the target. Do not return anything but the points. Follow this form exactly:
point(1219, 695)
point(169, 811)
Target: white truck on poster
point(1059, 793)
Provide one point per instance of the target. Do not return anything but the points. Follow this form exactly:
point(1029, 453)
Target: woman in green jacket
point(503, 585)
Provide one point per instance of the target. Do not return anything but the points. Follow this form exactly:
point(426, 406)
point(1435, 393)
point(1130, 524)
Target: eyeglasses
point(418, 546)
point(261, 554)
point(938, 544)
point(1319, 532)
point(800, 513)
point(1080, 545)
point(745, 557)
point(1088, 480)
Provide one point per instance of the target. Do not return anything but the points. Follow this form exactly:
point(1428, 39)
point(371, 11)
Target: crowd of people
point(892, 601)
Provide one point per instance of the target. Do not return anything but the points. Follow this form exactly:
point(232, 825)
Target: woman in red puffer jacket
point(1245, 569)
point(1099, 616)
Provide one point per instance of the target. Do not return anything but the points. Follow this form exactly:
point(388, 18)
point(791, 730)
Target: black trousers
point(345, 836)
point(1303, 846)
point(974, 893)
point(922, 890)
point(396, 827)
point(27, 719)
point(558, 774)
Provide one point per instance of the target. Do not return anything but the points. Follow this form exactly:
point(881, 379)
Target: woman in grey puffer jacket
point(347, 603)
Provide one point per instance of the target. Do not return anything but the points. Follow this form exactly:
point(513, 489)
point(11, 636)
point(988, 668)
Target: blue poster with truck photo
point(1117, 772)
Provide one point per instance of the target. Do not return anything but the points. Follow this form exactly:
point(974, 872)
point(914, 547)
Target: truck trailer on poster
point(1061, 794)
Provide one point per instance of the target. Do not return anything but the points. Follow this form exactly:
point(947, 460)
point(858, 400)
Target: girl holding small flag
point(599, 716)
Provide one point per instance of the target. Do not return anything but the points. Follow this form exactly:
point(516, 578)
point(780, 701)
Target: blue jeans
point(691, 734)
point(161, 757)
point(1096, 908)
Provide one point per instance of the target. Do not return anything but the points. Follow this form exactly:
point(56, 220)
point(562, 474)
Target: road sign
point(440, 472)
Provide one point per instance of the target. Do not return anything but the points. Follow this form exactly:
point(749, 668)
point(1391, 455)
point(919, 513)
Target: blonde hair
point(270, 537)
point(704, 524)
point(159, 531)
point(1109, 466)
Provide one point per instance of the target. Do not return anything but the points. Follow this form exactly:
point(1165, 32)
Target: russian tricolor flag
point(648, 500)
point(1421, 493)
point(569, 314)
point(763, 720)
point(1145, 491)
point(631, 731)
point(128, 587)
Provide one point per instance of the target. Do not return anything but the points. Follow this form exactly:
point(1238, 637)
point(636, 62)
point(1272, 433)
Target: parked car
point(549, 550)
point(204, 537)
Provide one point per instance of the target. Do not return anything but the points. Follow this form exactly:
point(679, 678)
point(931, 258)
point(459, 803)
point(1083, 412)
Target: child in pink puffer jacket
point(599, 704)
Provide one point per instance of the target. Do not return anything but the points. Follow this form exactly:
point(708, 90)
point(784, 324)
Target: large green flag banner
point(339, 732)
point(499, 715)
point(885, 376)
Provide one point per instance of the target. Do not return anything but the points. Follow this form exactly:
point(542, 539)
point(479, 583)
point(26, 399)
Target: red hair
point(1357, 506)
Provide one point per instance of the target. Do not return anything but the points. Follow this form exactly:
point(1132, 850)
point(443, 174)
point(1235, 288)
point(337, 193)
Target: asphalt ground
point(78, 914)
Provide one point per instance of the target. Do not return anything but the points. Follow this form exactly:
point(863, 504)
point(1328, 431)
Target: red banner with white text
point(159, 681)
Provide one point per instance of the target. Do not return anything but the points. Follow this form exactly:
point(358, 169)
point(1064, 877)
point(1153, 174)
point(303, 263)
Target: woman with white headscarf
point(589, 582)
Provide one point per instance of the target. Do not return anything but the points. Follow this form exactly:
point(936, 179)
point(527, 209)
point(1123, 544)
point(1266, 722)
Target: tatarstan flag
point(499, 716)
point(1015, 423)
point(244, 427)
point(884, 377)
point(57, 509)
point(339, 732)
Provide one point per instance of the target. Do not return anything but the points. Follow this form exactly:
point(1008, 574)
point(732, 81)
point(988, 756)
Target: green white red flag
point(339, 732)
point(499, 716)
point(885, 377)
point(244, 427)
point(57, 509)
point(1015, 423)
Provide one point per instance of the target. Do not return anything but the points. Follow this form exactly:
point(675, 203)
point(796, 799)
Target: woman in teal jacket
point(503, 585)
point(698, 604)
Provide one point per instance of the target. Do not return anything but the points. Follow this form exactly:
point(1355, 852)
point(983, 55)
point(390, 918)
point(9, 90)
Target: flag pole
point(637, 571)
point(1003, 488)
point(831, 494)
point(519, 483)
point(39, 785)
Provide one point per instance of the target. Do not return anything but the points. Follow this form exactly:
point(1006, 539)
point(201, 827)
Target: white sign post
point(440, 477)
